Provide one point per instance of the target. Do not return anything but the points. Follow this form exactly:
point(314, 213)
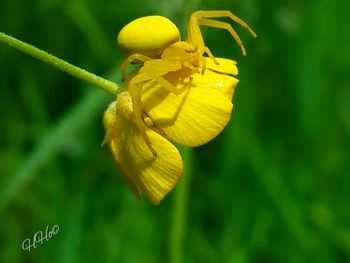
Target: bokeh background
point(273, 187)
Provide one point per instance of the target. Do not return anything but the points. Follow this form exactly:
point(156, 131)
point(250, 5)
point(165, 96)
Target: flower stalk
point(60, 64)
point(179, 217)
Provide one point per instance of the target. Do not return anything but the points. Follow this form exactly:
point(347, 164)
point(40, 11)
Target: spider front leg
point(152, 70)
point(170, 87)
point(203, 64)
point(131, 59)
point(135, 88)
point(223, 25)
point(190, 66)
point(208, 52)
point(157, 68)
point(200, 18)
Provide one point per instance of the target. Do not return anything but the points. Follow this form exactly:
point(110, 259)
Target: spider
point(173, 57)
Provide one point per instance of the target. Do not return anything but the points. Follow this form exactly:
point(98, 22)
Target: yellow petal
point(225, 66)
point(197, 115)
point(144, 172)
point(221, 82)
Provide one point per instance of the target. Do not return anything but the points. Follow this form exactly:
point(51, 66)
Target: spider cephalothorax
point(184, 53)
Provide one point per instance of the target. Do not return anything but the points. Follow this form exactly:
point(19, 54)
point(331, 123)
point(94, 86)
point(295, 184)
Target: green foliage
point(273, 187)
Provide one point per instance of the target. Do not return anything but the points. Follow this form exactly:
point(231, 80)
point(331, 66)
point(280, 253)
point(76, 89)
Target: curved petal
point(221, 82)
point(144, 172)
point(197, 115)
point(225, 66)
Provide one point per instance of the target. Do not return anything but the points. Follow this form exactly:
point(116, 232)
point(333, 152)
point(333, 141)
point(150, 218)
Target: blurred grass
point(85, 110)
point(273, 187)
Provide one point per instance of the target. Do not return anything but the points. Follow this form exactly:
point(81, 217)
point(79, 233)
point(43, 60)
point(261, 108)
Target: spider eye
point(191, 49)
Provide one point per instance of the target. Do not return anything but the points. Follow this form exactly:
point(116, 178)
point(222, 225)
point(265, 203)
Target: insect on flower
point(176, 94)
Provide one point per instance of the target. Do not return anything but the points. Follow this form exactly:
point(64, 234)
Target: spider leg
point(150, 123)
point(147, 120)
point(208, 52)
point(151, 70)
point(204, 64)
point(224, 13)
point(199, 18)
point(135, 92)
point(131, 59)
point(223, 25)
point(190, 66)
point(166, 84)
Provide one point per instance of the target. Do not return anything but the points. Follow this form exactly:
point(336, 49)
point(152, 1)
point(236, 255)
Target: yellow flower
point(191, 118)
point(177, 94)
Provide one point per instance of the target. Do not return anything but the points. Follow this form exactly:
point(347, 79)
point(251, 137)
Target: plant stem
point(178, 224)
point(56, 62)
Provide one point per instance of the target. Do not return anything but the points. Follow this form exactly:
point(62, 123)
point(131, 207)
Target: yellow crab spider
point(154, 41)
point(147, 37)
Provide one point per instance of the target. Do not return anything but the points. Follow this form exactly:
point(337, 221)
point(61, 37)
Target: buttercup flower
point(177, 94)
point(191, 118)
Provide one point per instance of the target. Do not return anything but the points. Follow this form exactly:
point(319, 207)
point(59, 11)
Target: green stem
point(178, 224)
point(56, 62)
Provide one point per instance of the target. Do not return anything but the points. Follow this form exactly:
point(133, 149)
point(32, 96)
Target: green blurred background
point(273, 187)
